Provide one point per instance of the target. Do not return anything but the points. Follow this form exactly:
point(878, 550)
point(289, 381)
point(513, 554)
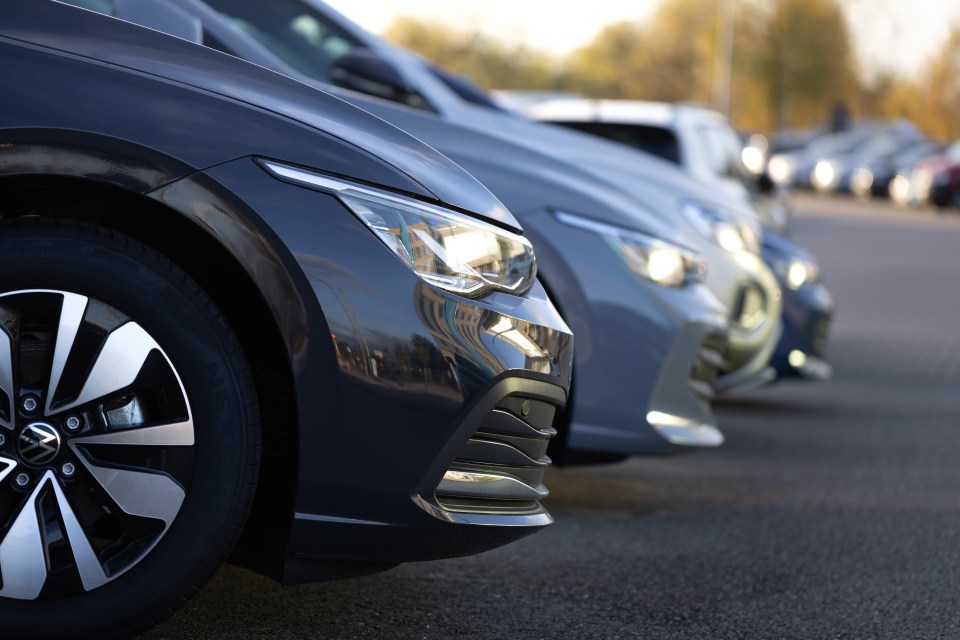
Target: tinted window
point(656, 140)
point(293, 31)
point(721, 149)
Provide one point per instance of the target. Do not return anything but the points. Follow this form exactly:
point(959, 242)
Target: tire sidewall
point(186, 325)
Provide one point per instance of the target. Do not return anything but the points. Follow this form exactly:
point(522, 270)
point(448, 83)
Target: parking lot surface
point(833, 510)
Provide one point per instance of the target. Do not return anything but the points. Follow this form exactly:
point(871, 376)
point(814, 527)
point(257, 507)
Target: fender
point(83, 154)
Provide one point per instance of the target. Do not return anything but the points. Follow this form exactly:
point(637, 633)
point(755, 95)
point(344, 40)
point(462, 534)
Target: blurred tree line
point(792, 63)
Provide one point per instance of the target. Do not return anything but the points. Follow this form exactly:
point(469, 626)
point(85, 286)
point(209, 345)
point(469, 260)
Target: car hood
point(784, 247)
point(638, 175)
point(652, 181)
point(528, 179)
point(415, 167)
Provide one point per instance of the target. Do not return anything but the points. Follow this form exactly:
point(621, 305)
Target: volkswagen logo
point(39, 443)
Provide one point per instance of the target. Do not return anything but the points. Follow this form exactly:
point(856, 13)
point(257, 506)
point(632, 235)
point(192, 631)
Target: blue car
point(704, 143)
point(807, 310)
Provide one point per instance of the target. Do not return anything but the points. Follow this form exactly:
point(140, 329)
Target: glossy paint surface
point(386, 375)
point(628, 337)
point(807, 311)
point(385, 368)
point(190, 120)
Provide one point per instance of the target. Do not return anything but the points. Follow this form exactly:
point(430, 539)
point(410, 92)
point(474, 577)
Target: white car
point(697, 138)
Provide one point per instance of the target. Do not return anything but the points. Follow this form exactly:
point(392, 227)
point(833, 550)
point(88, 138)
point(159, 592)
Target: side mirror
point(160, 15)
point(364, 71)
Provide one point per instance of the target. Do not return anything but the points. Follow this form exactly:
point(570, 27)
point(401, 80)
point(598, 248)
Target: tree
point(666, 58)
point(792, 60)
point(807, 64)
point(942, 90)
point(485, 60)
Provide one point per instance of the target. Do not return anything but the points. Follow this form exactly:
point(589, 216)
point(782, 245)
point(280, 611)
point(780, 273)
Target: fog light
point(797, 359)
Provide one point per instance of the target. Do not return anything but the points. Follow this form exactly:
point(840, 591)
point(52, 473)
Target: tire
point(139, 451)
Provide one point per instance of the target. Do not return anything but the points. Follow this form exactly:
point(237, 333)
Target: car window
point(655, 140)
point(293, 31)
point(722, 150)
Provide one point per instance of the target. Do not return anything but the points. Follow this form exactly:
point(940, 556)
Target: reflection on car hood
point(416, 168)
point(528, 178)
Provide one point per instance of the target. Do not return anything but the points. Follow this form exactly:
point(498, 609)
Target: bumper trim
point(488, 486)
point(811, 367)
point(681, 431)
point(540, 518)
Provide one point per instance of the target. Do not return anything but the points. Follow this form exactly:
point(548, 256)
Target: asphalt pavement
point(832, 511)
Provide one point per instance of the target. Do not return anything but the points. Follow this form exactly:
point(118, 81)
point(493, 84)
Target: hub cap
point(99, 497)
point(38, 444)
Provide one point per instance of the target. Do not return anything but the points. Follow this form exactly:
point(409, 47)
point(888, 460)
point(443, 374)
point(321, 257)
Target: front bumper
point(395, 379)
point(646, 354)
point(807, 315)
point(754, 305)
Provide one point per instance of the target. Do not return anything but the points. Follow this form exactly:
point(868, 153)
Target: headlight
point(825, 174)
point(798, 272)
point(447, 249)
point(862, 179)
point(752, 159)
point(647, 257)
point(780, 169)
point(900, 189)
point(724, 228)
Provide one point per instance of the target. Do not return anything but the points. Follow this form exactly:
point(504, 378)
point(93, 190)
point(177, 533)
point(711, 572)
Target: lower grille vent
point(500, 468)
point(708, 365)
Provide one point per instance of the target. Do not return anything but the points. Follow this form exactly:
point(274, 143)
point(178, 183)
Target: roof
point(623, 111)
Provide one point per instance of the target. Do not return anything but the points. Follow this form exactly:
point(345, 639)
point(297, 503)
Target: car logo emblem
point(38, 444)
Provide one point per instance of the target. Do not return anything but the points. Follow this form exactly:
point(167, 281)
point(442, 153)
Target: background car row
point(868, 159)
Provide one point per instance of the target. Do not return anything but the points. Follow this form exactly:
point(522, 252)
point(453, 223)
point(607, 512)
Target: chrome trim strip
point(487, 486)
point(681, 431)
point(539, 519)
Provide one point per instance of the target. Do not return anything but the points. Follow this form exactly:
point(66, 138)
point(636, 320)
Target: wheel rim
point(98, 444)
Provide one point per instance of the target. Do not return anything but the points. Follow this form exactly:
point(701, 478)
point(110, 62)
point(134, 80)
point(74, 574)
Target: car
point(834, 174)
point(243, 320)
point(810, 165)
point(369, 72)
point(936, 180)
point(703, 142)
point(699, 139)
point(547, 174)
point(902, 190)
point(875, 177)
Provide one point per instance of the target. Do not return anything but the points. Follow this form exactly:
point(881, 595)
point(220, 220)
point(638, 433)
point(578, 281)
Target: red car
point(937, 179)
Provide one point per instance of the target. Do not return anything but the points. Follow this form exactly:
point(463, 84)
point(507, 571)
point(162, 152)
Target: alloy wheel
point(96, 444)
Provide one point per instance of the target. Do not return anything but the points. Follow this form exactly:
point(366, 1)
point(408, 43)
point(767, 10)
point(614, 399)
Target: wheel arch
point(207, 257)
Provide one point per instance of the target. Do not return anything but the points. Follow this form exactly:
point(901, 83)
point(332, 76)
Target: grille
point(708, 365)
point(820, 334)
point(500, 468)
point(750, 308)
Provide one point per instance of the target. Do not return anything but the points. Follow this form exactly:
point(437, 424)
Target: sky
point(896, 35)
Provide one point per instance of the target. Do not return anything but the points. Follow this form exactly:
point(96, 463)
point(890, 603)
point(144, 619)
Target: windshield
point(722, 151)
point(658, 141)
point(292, 30)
